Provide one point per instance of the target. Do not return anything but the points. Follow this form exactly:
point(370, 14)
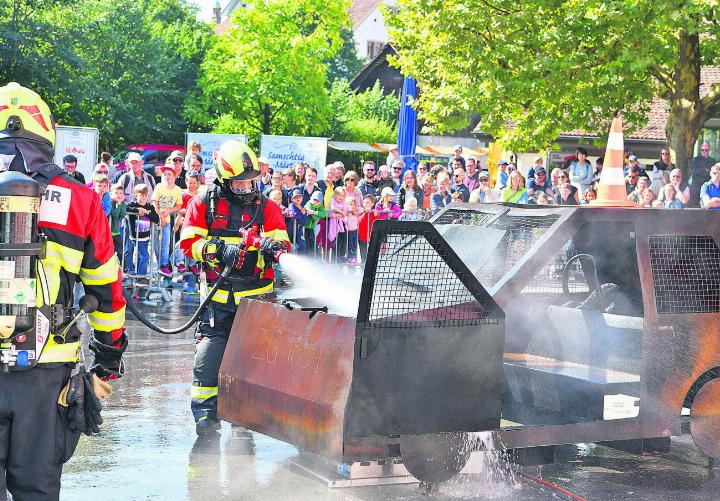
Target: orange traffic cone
point(611, 191)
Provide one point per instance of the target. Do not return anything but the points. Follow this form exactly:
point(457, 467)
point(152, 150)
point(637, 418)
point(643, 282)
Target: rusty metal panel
point(288, 376)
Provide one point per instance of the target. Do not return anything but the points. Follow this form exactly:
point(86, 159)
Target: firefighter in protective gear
point(35, 439)
point(212, 234)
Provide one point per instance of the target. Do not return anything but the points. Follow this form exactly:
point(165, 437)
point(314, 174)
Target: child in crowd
point(589, 196)
point(315, 211)
point(141, 214)
point(368, 217)
point(117, 215)
point(295, 220)
point(337, 231)
point(101, 186)
point(276, 196)
point(167, 199)
point(410, 211)
point(647, 198)
point(194, 148)
point(457, 196)
point(353, 221)
point(192, 190)
point(386, 207)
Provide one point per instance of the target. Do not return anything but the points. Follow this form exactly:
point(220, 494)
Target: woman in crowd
point(427, 183)
point(562, 178)
point(442, 196)
point(514, 192)
point(669, 199)
point(565, 196)
point(581, 171)
point(100, 168)
point(386, 207)
point(409, 188)
point(351, 180)
point(300, 172)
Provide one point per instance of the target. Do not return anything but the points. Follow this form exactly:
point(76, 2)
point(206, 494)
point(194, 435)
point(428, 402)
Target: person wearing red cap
point(167, 199)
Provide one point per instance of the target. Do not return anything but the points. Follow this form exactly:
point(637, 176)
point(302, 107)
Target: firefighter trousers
point(209, 351)
point(34, 438)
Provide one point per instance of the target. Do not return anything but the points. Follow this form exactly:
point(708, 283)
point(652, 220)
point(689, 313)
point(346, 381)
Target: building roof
point(366, 77)
point(360, 10)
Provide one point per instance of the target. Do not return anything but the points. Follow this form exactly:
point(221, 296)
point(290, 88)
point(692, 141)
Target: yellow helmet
point(23, 114)
point(236, 160)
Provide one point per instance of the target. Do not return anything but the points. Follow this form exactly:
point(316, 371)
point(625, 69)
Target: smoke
point(327, 284)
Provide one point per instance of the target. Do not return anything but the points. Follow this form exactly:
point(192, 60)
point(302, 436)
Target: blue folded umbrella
point(407, 126)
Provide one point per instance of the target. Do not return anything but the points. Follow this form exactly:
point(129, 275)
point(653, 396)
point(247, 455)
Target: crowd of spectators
point(332, 217)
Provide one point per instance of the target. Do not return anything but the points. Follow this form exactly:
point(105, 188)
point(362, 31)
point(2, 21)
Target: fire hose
point(251, 238)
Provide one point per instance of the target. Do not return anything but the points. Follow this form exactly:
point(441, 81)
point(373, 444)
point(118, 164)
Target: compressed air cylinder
point(19, 250)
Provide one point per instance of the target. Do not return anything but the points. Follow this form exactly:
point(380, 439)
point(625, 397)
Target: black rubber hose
point(177, 330)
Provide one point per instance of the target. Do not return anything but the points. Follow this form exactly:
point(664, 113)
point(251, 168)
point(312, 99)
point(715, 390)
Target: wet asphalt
point(148, 450)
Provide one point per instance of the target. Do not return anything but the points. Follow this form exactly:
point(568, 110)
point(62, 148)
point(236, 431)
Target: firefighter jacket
point(255, 276)
point(78, 244)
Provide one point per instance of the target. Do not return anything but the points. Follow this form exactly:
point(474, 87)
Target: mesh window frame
point(411, 259)
point(686, 273)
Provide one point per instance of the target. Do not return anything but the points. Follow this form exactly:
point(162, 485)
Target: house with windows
point(368, 24)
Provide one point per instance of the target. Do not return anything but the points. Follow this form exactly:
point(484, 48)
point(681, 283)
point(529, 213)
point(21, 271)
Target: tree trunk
point(687, 113)
point(267, 119)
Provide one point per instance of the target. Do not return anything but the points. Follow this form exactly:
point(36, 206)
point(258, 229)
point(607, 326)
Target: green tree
point(266, 74)
point(346, 64)
point(368, 117)
point(125, 67)
point(546, 66)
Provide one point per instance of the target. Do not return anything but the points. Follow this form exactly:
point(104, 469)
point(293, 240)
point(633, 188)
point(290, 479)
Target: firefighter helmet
point(236, 161)
point(23, 114)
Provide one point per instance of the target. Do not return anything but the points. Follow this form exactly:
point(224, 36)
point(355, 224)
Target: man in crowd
point(368, 185)
point(502, 175)
point(236, 199)
point(458, 184)
point(710, 191)
point(471, 176)
point(631, 179)
point(339, 173)
point(457, 157)
point(540, 183)
point(134, 176)
point(484, 194)
point(39, 428)
point(70, 165)
point(396, 173)
point(699, 173)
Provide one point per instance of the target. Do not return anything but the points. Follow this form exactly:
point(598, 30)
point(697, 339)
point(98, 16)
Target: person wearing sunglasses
point(710, 191)
point(560, 179)
point(458, 184)
point(368, 185)
point(699, 173)
point(177, 162)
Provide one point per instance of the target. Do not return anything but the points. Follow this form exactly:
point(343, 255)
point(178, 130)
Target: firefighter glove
point(212, 251)
point(231, 256)
point(270, 248)
point(108, 362)
point(83, 405)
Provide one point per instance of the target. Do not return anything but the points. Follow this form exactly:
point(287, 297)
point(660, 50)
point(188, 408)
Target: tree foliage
point(267, 73)
point(346, 64)
point(367, 117)
point(125, 67)
point(546, 67)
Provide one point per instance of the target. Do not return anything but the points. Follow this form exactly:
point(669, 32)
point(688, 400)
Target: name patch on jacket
point(55, 205)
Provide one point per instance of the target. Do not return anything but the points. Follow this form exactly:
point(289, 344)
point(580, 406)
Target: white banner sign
point(210, 143)
point(81, 142)
point(283, 152)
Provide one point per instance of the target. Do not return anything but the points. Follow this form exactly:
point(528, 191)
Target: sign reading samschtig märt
point(284, 152)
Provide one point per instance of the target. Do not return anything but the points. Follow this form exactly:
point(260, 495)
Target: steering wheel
point(566, 273)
